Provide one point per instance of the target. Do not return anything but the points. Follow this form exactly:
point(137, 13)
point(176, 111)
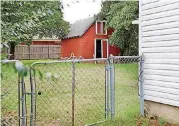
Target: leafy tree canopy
point(21, 20)
point(119, 15)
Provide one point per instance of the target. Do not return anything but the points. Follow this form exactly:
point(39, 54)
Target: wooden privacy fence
point(37, 52)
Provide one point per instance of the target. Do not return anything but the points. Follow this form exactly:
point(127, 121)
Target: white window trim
point(97, 28)
point(101, 47)
point(107, 41)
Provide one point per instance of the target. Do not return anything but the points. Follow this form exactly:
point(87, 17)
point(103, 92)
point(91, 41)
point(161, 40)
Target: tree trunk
point(12, 50)
point(122, 52)
point(126, 51)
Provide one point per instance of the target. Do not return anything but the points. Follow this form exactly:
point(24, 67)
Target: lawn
point(54, 95)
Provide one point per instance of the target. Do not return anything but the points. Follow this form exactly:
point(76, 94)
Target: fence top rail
point(45, 45)
point(38, 45)
point(72, 60)
point(7, 61)
point(125, 57)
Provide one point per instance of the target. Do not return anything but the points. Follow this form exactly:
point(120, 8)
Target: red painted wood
point(44, 43)
point(72, 45)
point(104, 49)
point(114, 50)
point(84, 45)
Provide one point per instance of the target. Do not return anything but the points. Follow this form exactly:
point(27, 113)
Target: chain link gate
point(72, 92)
point(13, 95)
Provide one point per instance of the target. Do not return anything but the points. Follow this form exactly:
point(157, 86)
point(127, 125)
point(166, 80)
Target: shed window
point(100, 28)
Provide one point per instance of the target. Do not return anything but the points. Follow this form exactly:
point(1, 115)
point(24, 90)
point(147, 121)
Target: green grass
point(127, 102)
point(54, 103)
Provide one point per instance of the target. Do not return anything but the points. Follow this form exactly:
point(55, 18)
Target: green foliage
point(162, 121)
point(119, 15)
point(20, 68)
point(151, 121)
point(21, 20)
point(36, 72)
point(3, 56)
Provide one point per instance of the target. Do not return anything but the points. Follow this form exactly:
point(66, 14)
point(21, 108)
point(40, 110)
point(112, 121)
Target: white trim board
point(101, 47)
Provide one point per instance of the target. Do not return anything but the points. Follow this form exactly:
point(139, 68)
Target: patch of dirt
point(9, 119)
point(151, 121)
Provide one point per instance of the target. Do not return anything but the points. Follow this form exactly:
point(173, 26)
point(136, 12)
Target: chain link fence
point(9, 95)
point(69, 93)
point(73, 92)
point(89, 92)
point(53, 94)
point(127, 76)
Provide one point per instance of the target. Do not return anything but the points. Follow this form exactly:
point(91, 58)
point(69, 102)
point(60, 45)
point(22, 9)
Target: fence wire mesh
point(9, 95)
point(126, 87)
point(89, 93)
point(53, 94)
point(70, 93)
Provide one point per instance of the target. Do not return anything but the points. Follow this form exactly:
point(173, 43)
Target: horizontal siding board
point(161, 43)
point(152, 5)
point(160, 9)
point(161, 56)
point(161, 84)
point(148, 1)
point(161, 49)
point(162, 61)
point(161, 95)
point(161, 32)
point(160, 15)
point(160, 20)
point(161, 67)
point(167, 25)
point(160, 46)
point(159, 38)
point(162, 100)
point(161, 89)
point(161, 78)
point(161, 72)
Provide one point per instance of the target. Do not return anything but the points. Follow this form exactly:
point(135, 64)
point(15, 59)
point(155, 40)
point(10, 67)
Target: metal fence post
point(141, 84)
point(32, 99)
point(23, 102)
point(107, 82)
point(73, 93)
point(19, 99)
point(112, 88)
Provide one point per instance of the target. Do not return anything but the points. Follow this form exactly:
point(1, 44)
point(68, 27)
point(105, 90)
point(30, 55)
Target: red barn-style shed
point(46, 41)
point(87, 38)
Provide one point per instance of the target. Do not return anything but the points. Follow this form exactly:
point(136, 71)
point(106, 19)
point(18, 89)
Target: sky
point(82, 9)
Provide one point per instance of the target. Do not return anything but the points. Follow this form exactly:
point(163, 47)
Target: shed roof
point(78, 28)
point(53, 38)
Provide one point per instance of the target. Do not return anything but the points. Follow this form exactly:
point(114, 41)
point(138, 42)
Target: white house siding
point(159, 43)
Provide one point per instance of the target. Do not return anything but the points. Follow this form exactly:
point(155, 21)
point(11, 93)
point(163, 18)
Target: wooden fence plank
point(37, 52)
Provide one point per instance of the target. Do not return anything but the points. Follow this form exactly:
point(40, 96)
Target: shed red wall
point(84, 45)
point(114, 50)
point(44, 43)
point(104, 48)
point(71, 45)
